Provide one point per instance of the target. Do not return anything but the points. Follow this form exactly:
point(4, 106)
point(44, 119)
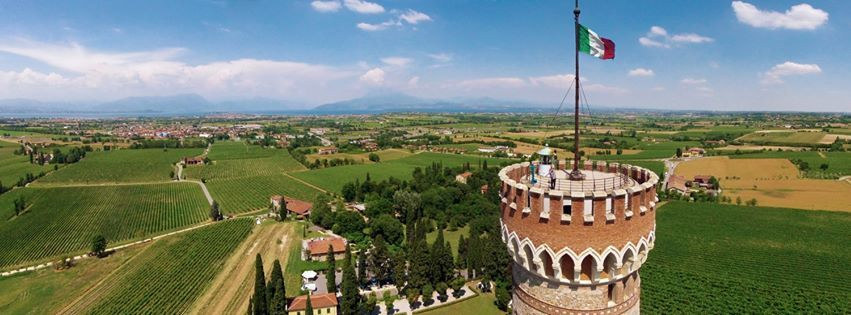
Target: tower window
point(566, 209)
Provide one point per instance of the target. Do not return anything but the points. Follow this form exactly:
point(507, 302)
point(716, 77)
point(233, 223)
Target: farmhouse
point(317, 248)
point(702, 181)
point(327, 150)
point(193, 161)
point(677, 184)
point(462, 178)
point(325, 304)
point(295, 206)
point(696, 151)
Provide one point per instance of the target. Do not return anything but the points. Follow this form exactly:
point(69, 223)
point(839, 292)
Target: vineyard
point(168, 276)
point(63, 220)
point(244, 182)
point(142, 165)
point(728, 259)
point(333, 178)
point(246, 194)
point(234, 150)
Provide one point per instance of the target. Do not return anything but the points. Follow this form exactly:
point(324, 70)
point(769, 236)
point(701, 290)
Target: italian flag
point(594, 45)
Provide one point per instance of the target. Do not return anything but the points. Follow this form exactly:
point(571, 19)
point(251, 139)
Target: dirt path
point(822, 155)
point(306, 183)
point(230, 290)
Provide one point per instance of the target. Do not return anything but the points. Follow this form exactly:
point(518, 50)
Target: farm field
point(384, 155)
point(168, 275)
point(229, 292)
point(333, 178)
point(711, 258)
point(46, 291)
point(14, 167)
point(63, 220)
point(839, 163)
point(783, 137)
point(120, 166)
point(281, 162)
point(773, 182)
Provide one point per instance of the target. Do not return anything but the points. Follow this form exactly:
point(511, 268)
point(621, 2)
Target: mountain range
point(193, 104)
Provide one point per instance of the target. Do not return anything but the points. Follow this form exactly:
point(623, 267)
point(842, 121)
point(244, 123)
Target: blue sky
point(723, 55)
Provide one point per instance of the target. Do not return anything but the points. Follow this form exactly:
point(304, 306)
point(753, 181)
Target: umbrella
point(309, 274)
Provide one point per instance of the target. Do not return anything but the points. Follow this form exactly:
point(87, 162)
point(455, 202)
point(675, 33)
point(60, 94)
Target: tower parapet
point(578, 245)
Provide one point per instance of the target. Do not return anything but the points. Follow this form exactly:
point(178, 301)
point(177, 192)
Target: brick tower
point(577, 244)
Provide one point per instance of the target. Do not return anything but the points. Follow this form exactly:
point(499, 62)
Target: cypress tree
point(350, 304)
point(462, 252)
point(436, 259)
point(418, 256)
point(362, 269)
point(308, 310)
point(331, 272)
point(276, 290)
point(259, 287)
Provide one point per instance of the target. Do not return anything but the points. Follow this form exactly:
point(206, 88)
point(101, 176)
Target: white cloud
point(798, 17)
point(691, 38)
point(498, 82)
point(560, 81)
point(641, 72)
point(659, 37)
point(441, 57)
point(596, 87)
point(647, 42)
point(364, 7)
point(414, 17)
point(776, 73)
point(375, 27)
point(157, 72)
point(692, 81)
point(658, 31)
point(326, 6)
point(396, 61)
point(374, 76)
point(414, 81)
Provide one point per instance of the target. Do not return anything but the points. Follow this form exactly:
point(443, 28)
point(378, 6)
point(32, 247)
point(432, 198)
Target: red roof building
point(318, 247)
point(317, 301)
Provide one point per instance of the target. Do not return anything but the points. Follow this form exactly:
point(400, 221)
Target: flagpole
point(576, 174)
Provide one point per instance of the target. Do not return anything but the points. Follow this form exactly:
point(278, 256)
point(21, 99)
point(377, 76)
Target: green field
point(121, 166)
point(333, 178)
point(791, 137)
point(839, 163)
point(14, 167)
point(169, 275)
point(63, 220)
point(658, 150)
point(711, 258)
point(280, 161)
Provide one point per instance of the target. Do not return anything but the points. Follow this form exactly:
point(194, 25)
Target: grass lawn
point(480, 304)
point(295, 265)
point(452, 237)
point(333, 178)
point(121, 166)
point(711, 258)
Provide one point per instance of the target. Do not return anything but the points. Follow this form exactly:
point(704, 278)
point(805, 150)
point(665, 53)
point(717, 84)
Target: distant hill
point(397, 102)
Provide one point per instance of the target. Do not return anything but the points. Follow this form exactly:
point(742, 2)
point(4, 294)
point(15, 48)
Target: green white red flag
point(594, 45)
